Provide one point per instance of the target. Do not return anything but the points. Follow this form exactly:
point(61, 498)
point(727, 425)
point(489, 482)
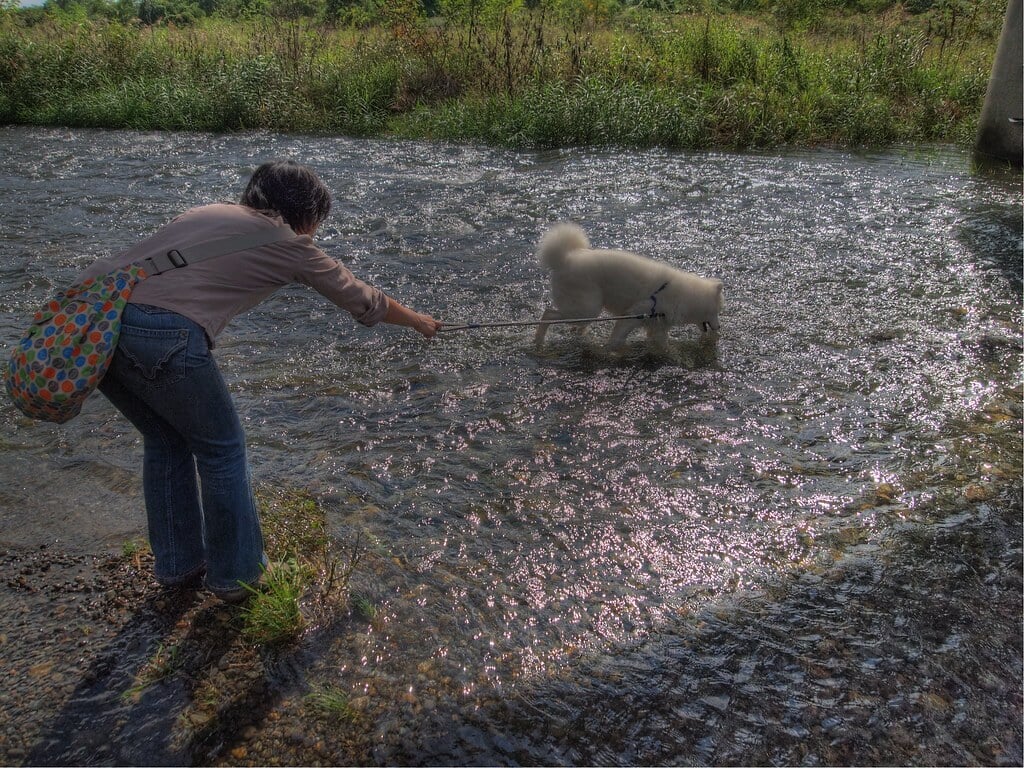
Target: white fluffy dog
point(585, 280)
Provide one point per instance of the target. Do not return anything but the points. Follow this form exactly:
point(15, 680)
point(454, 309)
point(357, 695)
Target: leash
point(519, 323)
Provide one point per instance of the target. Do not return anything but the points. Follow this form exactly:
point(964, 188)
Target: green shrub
point(539, 73)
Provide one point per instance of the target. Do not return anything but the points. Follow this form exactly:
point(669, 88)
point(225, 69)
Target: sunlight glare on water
point(524, 507)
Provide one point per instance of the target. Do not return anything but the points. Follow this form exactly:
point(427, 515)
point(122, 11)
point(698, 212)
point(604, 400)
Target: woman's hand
point(426, 325)
point(398, 314)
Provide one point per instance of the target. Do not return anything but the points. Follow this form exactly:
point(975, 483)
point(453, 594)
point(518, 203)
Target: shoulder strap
point(177, 258)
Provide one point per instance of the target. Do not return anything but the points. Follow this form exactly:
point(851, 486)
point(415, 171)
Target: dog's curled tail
point(558, 242)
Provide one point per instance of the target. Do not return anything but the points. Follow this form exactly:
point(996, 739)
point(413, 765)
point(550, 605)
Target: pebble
point(884, 493)
point(978, 492)
point(199, 718)
point(41, 670)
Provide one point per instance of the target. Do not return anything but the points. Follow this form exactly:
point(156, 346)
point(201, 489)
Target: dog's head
point(710, 322)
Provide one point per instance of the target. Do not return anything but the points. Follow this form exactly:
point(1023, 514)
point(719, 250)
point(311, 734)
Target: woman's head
point(292, 190)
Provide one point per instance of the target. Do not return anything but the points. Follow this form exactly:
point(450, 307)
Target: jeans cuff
point(174, 581)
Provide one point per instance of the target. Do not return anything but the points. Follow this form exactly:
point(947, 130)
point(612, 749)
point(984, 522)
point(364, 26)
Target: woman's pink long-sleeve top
point(212, 292)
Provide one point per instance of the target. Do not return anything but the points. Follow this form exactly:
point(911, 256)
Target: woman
point(165, 381)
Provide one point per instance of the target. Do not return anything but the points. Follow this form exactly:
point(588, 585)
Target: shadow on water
point(116, 715)
point(873, 660)
point(586, 354)
point(993, 236)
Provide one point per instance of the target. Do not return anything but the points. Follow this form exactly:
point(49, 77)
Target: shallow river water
point(783, 546)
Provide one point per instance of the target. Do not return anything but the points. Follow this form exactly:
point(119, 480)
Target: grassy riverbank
point(519, 75)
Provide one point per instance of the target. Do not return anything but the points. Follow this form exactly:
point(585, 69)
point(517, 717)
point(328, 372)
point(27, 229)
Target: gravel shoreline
point(103, 666)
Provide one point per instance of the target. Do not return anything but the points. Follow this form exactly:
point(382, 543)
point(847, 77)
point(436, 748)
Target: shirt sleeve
point(335, 281)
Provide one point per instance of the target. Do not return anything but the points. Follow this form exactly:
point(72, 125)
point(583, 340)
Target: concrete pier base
point(1000, 129)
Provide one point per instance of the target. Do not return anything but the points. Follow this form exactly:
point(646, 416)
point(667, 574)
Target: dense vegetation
point(684, 73)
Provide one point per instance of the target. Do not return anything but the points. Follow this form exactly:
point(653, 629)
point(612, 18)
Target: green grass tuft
point(164, 663)
point(363, 607)
point(331, 703)
point(271, 616)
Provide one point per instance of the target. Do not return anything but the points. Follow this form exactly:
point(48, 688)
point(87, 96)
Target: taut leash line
point(519, 323)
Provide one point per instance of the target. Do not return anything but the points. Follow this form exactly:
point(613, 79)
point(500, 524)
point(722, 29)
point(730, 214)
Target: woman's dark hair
point(290, 189)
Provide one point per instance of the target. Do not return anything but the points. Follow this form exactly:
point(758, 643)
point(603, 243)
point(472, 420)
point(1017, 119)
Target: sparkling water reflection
point(535, 515)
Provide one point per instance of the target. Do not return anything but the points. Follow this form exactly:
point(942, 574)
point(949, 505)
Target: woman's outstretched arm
point(399, 314)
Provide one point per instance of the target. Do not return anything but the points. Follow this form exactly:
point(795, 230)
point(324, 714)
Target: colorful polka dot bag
point(66, 351)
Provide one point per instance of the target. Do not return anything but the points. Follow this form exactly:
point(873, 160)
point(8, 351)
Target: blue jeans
point(164, 379)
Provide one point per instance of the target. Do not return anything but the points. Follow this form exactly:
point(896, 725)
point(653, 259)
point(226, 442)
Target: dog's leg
point(623, 328)
point(620, 331)
point(657, 336)
point(549, 314)
point(709, 335)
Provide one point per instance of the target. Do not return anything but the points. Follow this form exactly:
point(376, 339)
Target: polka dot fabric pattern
point(66, 351)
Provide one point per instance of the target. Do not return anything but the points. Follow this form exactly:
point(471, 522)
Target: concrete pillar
point(1000, 130)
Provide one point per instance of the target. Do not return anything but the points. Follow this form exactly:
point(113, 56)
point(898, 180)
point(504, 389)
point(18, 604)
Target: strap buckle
point(176, 259)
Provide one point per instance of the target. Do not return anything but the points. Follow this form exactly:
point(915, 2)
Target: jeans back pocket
point(155, 355)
